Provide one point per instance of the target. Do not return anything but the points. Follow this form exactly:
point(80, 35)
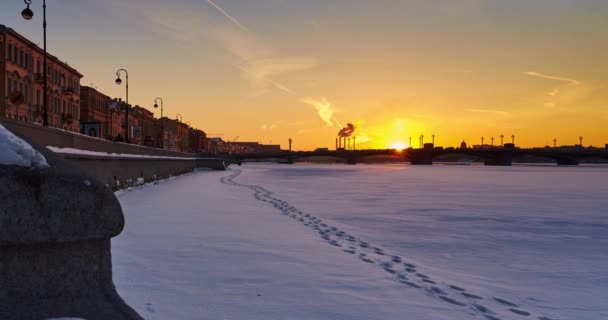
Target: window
point(10, 86)
point(10, 51)
point(15, 55)
point(38, 66)
point(27, 61)
point(37, 99)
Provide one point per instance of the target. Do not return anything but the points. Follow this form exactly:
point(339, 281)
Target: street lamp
point(162, 135)
point(178, 117)
point(118, 82)
point(502, 137)
point(28, 14)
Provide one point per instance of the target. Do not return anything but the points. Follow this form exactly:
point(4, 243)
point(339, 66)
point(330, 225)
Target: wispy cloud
point(490, 111)
point(324, 109)
point(567, 88)
point(550, 77)
point(220, 9)
point(259, 63)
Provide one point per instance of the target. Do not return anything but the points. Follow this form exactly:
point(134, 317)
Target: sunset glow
point(400, 146)
point(457, 69)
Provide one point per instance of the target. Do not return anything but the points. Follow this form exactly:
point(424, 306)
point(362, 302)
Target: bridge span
point(497, 156)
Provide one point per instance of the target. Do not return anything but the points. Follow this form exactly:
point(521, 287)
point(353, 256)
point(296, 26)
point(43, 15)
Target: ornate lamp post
point(482, 139)
point(555, 143)
point(580, 139)
point(28, 14)
point(492, 142)
point(433, 136)
point(513, 139)
point(502, 138)
point(118, 82)
point(162, 135)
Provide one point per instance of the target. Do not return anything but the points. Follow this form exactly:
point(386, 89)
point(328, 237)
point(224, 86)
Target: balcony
point(67, 91)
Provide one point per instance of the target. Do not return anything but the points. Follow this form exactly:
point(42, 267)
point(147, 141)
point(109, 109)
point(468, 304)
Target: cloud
point(269, 127)
point(259, 63)
point(324, 109)
point(220, 9)
point(490, 111)
point(549, 77)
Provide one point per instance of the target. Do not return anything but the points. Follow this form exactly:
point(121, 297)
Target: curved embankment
point(403, 271)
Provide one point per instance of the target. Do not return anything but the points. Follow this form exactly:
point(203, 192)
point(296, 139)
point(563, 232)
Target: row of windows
point(56, 104)
point(14, 85)
point(18, 56)
point(22, 58)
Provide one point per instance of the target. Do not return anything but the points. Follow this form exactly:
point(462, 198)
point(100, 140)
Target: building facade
point(95, 114)
point(198, 143)
point(21, 68)
point(143, 125)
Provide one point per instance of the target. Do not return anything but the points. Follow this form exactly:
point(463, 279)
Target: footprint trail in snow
point(403, 271)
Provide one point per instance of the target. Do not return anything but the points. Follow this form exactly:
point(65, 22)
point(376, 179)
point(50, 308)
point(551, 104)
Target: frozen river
point(440, 242)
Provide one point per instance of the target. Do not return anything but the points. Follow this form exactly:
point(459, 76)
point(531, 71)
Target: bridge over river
point(491, 156)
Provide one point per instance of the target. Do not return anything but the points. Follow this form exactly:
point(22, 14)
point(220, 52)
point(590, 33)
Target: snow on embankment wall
point(117, 165)
point(15, 151)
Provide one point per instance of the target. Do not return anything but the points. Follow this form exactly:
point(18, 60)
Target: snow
point(15, 151)
point(112, 155)
point(368, 242)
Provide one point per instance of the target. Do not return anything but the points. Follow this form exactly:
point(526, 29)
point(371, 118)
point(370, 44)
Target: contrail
point(276, 84)
point(227, 15)
point(549, 77)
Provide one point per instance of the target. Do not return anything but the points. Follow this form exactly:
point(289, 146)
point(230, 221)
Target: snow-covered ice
point(368, 242)
point(15, 151)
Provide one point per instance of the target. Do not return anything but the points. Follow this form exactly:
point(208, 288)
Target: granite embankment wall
point(110, 167)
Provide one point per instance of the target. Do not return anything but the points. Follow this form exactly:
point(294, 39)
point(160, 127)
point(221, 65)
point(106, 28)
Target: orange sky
point(272, 69)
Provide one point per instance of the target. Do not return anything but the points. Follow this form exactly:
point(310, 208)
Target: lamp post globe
point(27, 13)
point(118, 81)
point(156, 106)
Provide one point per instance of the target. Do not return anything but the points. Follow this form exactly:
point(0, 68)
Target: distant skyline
point(269, 70)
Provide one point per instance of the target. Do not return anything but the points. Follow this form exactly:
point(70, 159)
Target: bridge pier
point(422, 156)
point(503, 158)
